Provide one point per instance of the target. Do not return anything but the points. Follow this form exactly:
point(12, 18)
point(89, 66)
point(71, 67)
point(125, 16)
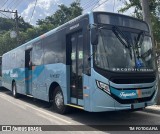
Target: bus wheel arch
point(56, 97)
point(51, 90)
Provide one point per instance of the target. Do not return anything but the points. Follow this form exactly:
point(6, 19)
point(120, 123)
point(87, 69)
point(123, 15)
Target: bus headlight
point(103, 87)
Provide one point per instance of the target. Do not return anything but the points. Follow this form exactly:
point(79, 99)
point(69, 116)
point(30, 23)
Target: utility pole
point(16, 21)
point(147, 18)
point(17, 28)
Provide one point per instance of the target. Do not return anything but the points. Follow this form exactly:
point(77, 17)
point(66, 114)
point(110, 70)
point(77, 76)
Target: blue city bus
point(0, 71)
point(97, 62)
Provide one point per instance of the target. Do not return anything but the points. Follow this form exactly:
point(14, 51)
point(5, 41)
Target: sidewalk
point(153, 109)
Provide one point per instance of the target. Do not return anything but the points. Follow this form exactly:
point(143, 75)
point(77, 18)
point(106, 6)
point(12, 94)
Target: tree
point(28, 32)
point(63, 15)
point(6, 25)
point(6, 43)
point(154, 9)
point(23, 26)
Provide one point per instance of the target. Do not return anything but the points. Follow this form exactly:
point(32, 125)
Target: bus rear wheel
point(14, 91)
point(58, 101)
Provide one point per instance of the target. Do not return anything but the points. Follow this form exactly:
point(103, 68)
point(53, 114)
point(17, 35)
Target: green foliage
point(6, 43)
point(154, 6)
point(6, 24)
point(9, 24)
point(23, 26)
point(63, 15)
point(28, 32)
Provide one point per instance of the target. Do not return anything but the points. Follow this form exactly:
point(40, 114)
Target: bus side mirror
point(94, 36)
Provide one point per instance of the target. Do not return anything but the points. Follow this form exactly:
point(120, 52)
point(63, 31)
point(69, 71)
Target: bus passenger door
point(76, 40)
point(28, 71)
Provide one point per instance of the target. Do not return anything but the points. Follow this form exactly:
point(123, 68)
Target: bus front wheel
point(58, 101)
point(14, 90)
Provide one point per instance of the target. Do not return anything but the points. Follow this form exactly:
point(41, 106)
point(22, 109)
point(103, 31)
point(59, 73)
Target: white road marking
point(48, 114)
point(37, 109)
point(45, 117)
point(3, 97)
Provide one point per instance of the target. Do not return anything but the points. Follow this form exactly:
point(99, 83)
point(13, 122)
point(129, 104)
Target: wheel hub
point(59, 100)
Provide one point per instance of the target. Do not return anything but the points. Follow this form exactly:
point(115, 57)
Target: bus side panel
point(44, 76)
point(87, 90)
point(54, 60)
point(5, 72)
point(6, 79)
point(18, 75)
point(0, 71)
point(39, 87)
point(56, 73)
point(106, 102)
point(13, 70)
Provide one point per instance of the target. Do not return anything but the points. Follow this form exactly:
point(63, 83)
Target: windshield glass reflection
point(113, 53)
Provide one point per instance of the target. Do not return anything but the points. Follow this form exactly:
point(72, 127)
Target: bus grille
point(132, 80)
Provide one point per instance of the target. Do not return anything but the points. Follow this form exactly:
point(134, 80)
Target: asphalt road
point(28, 111)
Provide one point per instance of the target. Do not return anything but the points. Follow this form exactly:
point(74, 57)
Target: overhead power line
point(33, 11)
point(88, 3)
point(14, 3)
point(4, 14)
point(91, 5)
point(8, 11)
point(9, 4)
point(4, 4)
point(84, 4)
point(17, 5)
point(100, 4)
point(96, 4)
point(114, 5)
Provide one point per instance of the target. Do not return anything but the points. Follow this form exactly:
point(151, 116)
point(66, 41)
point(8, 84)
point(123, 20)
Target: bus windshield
point(114, 53)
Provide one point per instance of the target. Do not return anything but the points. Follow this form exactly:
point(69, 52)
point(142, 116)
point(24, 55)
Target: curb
point(153, 109)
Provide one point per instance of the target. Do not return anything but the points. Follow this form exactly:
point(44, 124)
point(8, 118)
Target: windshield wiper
point(122, 38)
point(140, 39)
point(139, 42)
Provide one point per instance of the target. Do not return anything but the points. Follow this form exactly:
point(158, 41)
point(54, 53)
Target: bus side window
point(37, 54)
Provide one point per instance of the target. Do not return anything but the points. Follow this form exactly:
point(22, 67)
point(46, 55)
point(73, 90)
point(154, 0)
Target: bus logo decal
point(73, 27)
point(123, 94)
point(13, 75)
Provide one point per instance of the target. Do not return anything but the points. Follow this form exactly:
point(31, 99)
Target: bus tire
point(14, 91)
point(58, 101)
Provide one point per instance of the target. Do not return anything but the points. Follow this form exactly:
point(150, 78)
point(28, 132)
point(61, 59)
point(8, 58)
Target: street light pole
point(17, 28)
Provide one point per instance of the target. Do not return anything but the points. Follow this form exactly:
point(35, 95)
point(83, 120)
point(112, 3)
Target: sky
point(48, 7)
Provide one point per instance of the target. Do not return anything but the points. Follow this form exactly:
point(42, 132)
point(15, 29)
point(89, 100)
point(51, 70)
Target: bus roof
point(67, 23)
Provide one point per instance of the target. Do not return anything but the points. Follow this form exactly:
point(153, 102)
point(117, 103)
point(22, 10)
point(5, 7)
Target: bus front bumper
point(101, 102)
